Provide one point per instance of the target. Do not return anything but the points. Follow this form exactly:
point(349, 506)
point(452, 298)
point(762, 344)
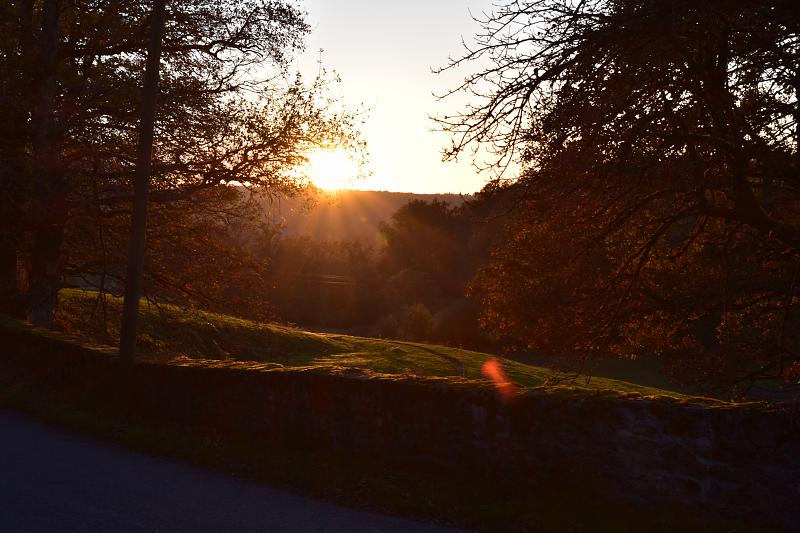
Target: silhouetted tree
point(32, 180)
point(49, 209)
point(231, 117)
point(424, 250)
point(141, 188)
point(660, 169)
point(16, 40)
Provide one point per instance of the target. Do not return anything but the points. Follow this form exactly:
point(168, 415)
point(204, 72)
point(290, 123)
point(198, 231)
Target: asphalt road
point(55, 481)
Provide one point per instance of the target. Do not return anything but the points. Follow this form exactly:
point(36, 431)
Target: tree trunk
point(133, 279)
point(15, 106)
point(49, 212)
point(8, 273)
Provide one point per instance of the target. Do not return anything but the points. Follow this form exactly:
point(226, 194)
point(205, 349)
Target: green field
point(168, 332)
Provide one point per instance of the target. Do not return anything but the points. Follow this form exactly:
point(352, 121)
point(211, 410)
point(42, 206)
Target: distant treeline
point(344, 215)
point(403, 276)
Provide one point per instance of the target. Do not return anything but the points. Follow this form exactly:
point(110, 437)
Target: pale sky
point(383, 52)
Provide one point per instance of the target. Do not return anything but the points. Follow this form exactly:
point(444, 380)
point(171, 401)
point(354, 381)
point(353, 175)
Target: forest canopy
point(658, 207)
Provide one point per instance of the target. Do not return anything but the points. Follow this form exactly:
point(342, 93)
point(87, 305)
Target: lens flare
point(493, 370)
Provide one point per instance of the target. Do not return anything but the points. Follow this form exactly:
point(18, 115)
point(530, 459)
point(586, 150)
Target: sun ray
point(332, 170)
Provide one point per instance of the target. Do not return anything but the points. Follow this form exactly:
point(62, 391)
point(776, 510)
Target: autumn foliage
point(657, 209)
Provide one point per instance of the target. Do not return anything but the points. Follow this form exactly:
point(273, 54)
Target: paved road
point(55, 481)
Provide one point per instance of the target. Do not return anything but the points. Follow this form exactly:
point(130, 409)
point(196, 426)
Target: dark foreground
point(54, 481)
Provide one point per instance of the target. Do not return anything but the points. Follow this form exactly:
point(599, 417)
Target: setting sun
point(332, 170)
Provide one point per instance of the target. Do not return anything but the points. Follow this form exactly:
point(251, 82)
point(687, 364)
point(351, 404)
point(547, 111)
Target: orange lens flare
point(493, 370)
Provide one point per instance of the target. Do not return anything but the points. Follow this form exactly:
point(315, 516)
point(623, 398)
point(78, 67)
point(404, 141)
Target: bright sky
point(383, 52)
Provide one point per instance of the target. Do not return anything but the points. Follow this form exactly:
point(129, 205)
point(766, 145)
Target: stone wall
point(738, 461)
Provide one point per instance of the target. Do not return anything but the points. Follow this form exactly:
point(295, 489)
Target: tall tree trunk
point(8, 272)
point(133, 279)
point(15, 106)
point(49, 212)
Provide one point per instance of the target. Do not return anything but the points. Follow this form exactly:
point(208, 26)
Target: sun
point(332, 170)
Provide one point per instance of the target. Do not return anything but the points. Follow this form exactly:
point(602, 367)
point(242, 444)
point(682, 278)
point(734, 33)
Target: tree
point(49, 194)
point(144, 155)
point(16, 36)
point(232, 117)
point(428, 237)
point(33, 187)
point(660, 170)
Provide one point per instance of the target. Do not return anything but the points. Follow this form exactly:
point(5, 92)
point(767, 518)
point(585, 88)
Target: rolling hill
point(169, 332)
point(346, 215)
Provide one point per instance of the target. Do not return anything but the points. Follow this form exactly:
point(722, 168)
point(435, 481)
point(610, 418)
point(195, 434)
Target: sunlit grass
point(168, 332)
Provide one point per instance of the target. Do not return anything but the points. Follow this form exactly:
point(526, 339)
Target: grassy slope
point(167, 332)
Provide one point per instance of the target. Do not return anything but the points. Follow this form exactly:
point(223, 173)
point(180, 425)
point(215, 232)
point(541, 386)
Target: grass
point(169, 332)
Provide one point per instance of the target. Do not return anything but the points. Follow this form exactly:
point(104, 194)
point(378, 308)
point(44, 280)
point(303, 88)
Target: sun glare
point(332, 170)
